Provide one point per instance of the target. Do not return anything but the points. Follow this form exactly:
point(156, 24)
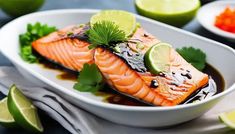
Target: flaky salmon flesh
point(165, 89)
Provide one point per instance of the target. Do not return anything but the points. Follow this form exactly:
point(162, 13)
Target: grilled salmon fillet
point(171, 89)
point(165, 89)
point(71, 53)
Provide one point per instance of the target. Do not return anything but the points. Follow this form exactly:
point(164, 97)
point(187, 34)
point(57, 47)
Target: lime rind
point(227, 121)
point(157, 58)
point(125, 20)
point(22, 114)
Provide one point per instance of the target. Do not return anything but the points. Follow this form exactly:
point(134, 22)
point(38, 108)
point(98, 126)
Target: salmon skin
point(125, 71)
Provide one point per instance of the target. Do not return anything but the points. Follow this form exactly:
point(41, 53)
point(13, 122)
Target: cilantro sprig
point(194, 56)
point(34, 32)
point(104, 33)
point(89, 79)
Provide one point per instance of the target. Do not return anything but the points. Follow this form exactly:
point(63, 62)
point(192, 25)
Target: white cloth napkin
point(77, 120)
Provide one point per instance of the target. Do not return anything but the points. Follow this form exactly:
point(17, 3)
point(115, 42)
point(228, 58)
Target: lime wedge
point(228, 118)
point(157, 58)
point(125, 20)
point(173, 12)
point(23, 111)
point(6, 118)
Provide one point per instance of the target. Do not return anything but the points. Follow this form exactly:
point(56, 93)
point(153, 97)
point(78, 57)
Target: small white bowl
point(207, 14)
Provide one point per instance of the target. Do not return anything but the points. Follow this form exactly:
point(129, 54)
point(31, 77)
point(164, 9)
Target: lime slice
point(173, 12)
point(125, 20)
point(157, 58)
point(228, 118)
point(6, 118)
point(23, 111)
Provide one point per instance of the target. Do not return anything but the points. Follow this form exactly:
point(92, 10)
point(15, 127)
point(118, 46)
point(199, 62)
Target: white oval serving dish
point(218, 55)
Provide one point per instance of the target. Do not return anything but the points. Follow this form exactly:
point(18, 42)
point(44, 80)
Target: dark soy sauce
point(216, 76)
point(65, 74)
point(123, 100)
point(111, 96)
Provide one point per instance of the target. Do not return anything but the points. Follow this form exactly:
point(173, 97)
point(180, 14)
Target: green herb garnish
point(194, 56)
point(89, 79)
point(33, 33)
point(105, 33)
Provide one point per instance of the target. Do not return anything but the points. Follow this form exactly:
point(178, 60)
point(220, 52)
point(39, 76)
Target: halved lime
point(17, 8)
point(6, 118)
point(173, 12)
point(228, 118)
point(125, 20)
point(157, 58)
point(23, 111)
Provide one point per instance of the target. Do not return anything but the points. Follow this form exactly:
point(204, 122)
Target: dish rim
point(213, 28)
point(103, 104)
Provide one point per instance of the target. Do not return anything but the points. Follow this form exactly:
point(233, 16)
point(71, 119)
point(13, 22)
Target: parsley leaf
point(89, 79)
point(194, 56)
point(104, 33)
point(33, 33)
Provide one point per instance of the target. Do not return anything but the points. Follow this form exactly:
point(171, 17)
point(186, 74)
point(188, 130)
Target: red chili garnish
point(226, 20)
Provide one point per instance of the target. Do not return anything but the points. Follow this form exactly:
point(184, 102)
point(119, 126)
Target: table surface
point(50, 125)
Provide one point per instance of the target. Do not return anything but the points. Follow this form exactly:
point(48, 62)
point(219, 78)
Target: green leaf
point(33, 33)
point(105, 33)
point(87, 88)
point(194, 56)
point(89, 79)
point(90, 75)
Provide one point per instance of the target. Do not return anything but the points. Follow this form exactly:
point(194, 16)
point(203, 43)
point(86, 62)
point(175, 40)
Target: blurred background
point(15, 8)
point(12, 9)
